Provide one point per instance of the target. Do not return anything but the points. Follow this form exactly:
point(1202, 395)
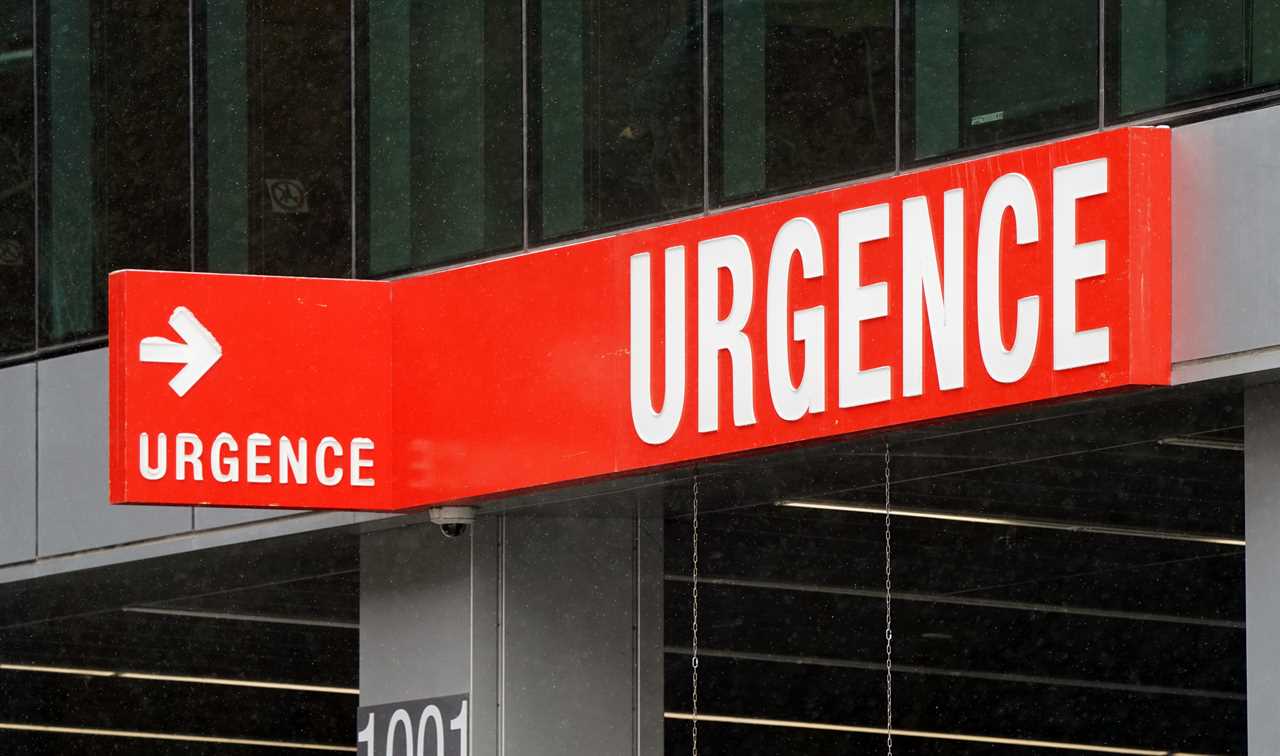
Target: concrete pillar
point(415, 615)
point(550, 618)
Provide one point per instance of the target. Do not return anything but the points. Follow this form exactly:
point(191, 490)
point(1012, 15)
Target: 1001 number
point(425, 735)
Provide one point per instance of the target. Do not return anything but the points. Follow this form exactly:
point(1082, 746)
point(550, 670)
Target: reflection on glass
point(299, 138)
point(982, 72)
point(277, 138)
point(226, 127)
point(1169, 52)
point(614, 115)
point(17, 188)
point(444, 131)
point(801, 93)
point(115, 122)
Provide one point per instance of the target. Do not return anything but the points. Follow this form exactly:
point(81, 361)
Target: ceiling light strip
point(957, 600)
point(925, 734)
point(182, 679)
point(236, 617)
point(173, 737)
point(57, 670)
point(1203, 443)
point(238, 683)
point(998, 677)
point(1020, 522)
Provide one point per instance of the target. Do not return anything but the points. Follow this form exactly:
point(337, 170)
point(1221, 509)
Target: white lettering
point(1009, 192)
point(187, 451)
point(714, 335)
point(791, 402)
point(656, 427)
point(144, 455)
point(1073, 262)
point(358, 461)
point(920, 282)
point(231, 472)
point(328, 445)
point(934, 299)
point(293, 463)
point(858, 303)
point(459, 725)
point(293, 460)
point(257, 441)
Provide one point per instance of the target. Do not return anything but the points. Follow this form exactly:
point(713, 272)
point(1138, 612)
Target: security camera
point(453, 521)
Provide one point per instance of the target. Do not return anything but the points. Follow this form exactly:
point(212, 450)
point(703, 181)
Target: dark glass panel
point(115, 121)
point(615, 132)
point(980, 73)
point(224, 113)
point(444, 123)
point(17, 183)
point(274, 107)
point(801, 93)
point(1163, 53)
point(299, 118)
point(1063, 579)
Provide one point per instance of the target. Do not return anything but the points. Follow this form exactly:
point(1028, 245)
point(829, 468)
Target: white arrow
point(198, 352)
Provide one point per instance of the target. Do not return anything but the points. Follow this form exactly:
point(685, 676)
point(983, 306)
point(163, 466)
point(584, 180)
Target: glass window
point(224, 112)
point(615, 115)
point(801, 93)
point(17, 183)
point(115, 120)
point(978, 73)
point(251, 650)
point(277, 119)
point(1162, 53)
point(445, 132)
point(1063, 580)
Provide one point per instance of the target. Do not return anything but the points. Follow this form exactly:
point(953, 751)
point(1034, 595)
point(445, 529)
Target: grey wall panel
point(277, 527)
point(569, 655)
point(72, 483)
point(1262, 564)
point(1226, 270)
point(17, 464)
point(415, 614)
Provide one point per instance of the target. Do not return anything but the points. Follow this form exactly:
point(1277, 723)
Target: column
point(1262, 564)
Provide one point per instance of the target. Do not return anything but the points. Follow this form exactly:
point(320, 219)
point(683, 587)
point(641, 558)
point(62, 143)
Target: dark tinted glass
point(278, 124)
point(444, 124)
point(801, 93)
point(188, 655)
point(224, 112)
point(115, 122)
point(978, 73)
point(1063, 581)
point(17, 187)
point(1163, 53)
point(615, 113)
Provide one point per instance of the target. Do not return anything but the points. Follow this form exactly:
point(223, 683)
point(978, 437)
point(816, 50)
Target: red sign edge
point(116, 361)
point(1150, 253)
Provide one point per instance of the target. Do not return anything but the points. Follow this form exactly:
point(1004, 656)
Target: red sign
point(1019, 277)
point(250, 391)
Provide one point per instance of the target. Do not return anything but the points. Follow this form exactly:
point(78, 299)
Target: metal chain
point(888, 612)
point(695, 617)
